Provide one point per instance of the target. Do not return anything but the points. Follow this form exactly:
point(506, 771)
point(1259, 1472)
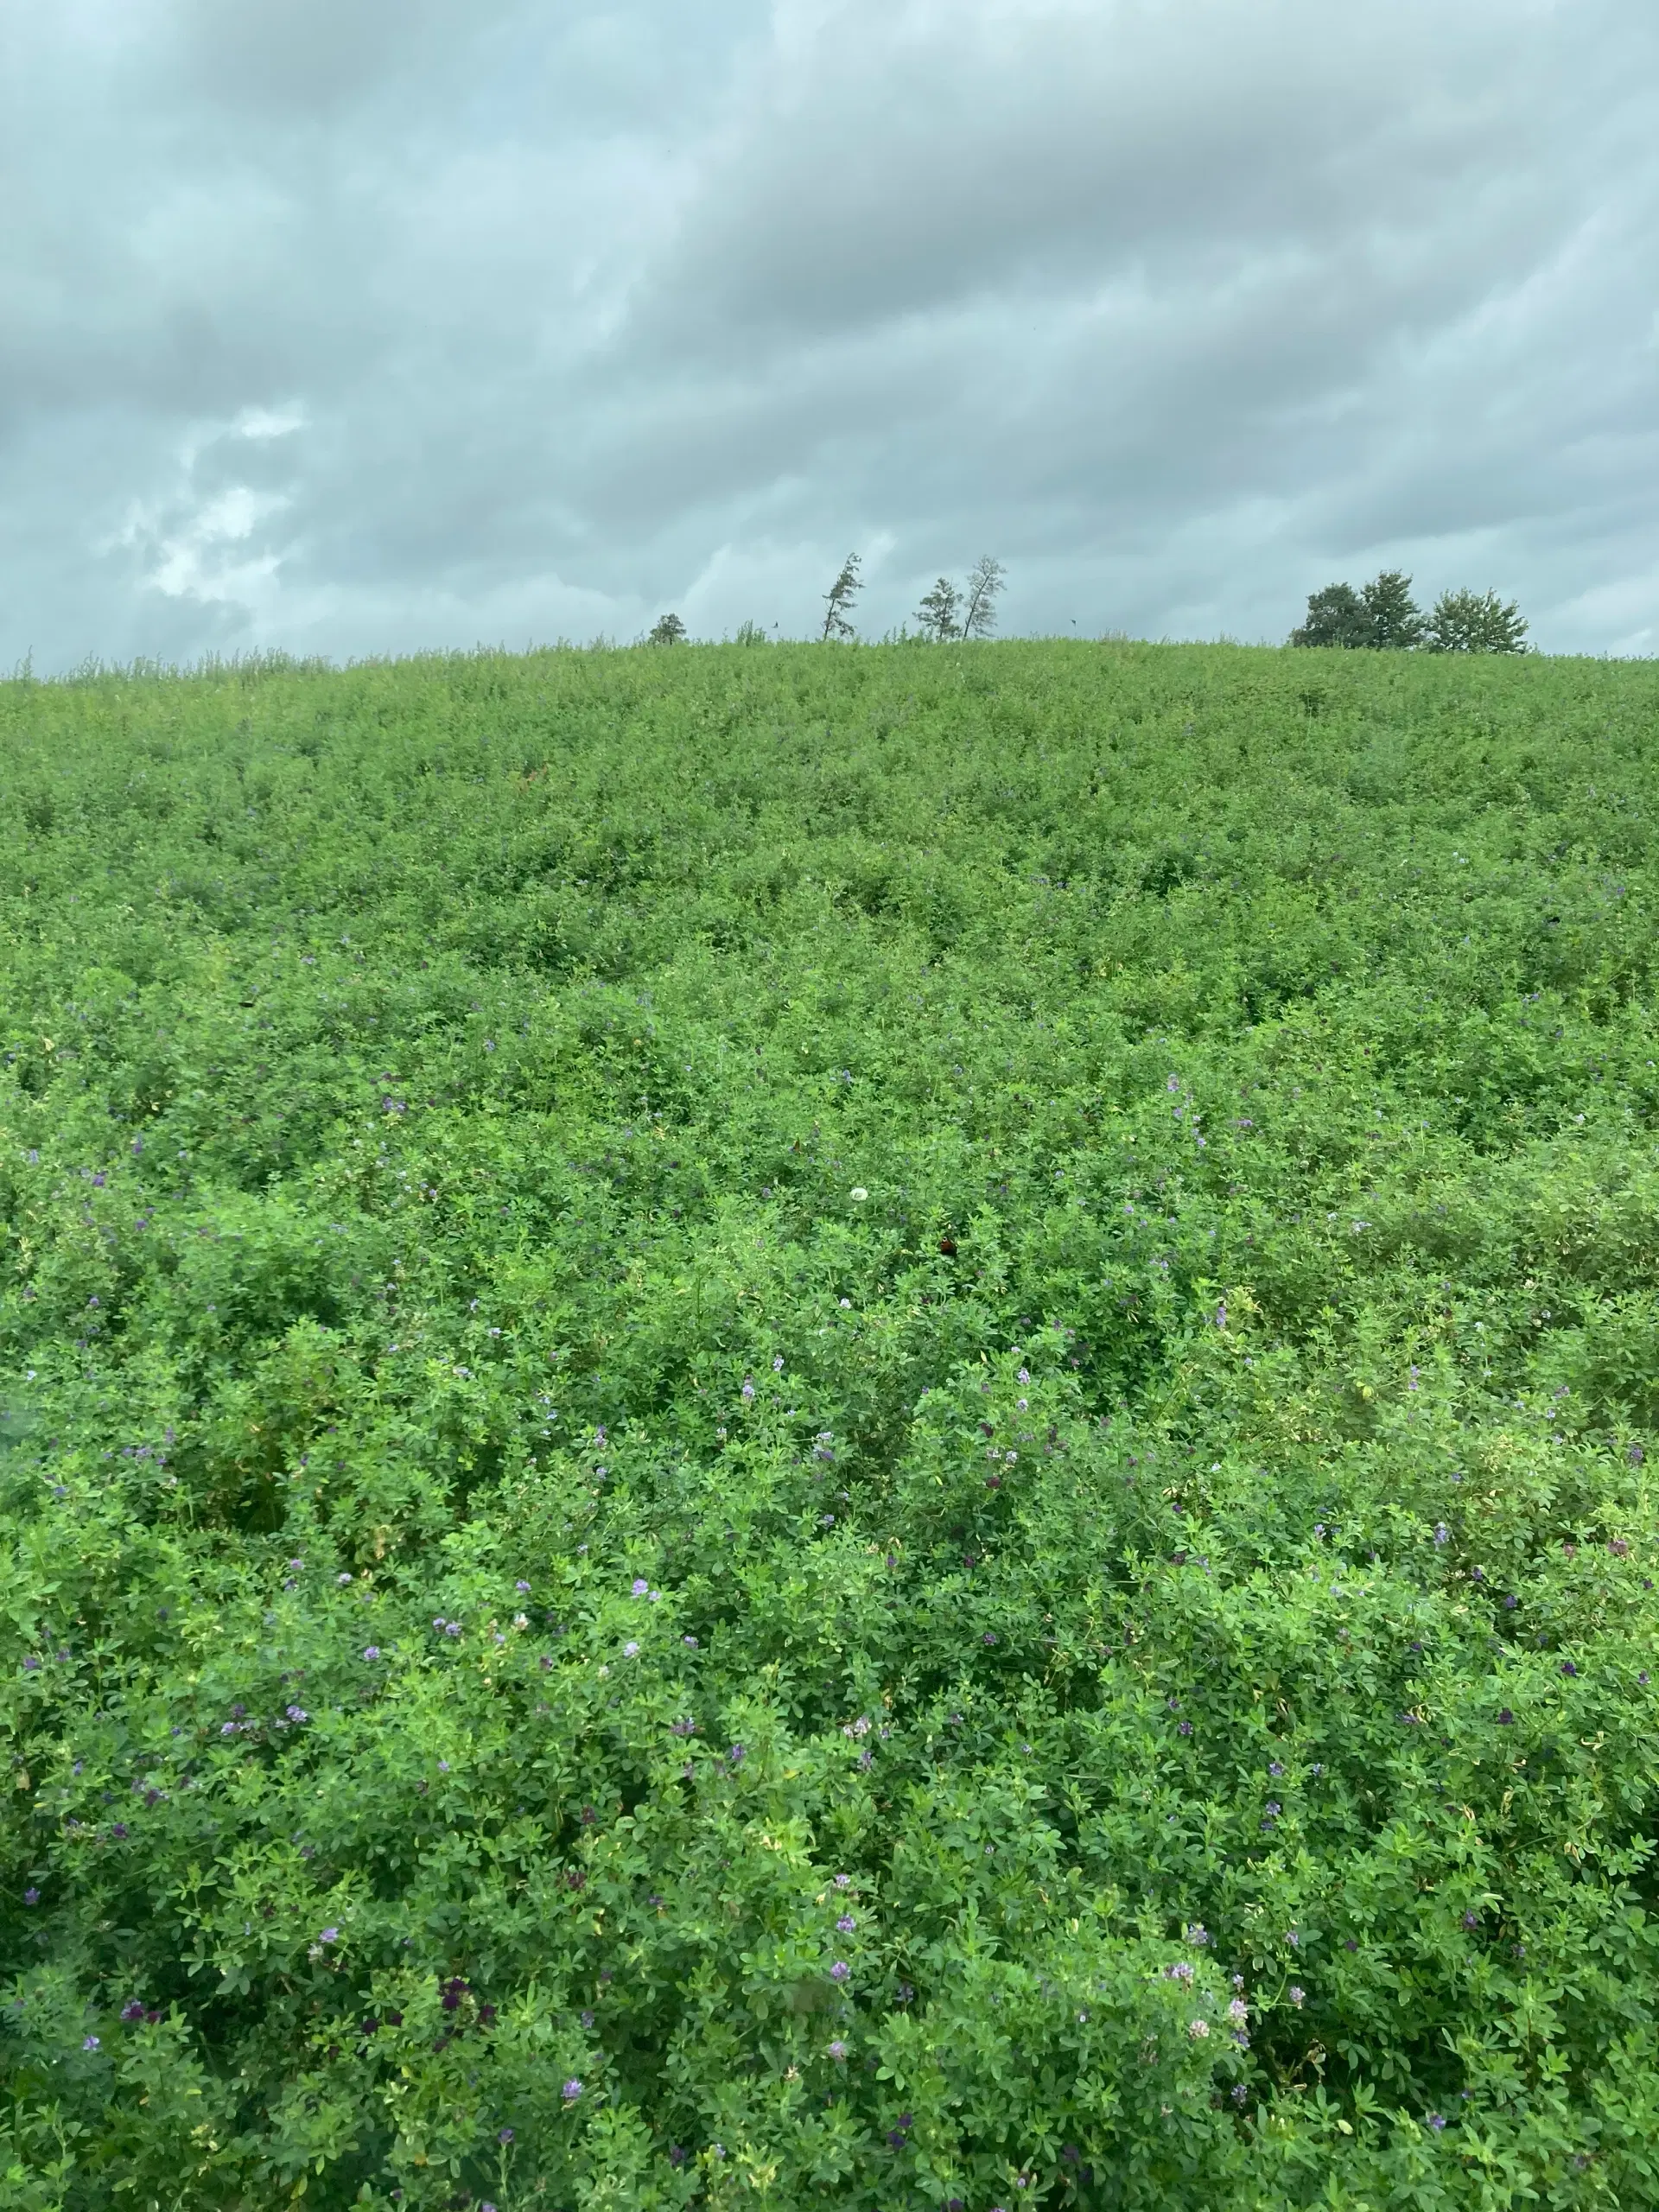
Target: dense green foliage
point(831, 1425)
point(1382, 617)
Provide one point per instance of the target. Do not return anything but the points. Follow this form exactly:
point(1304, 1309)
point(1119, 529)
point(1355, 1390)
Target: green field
point(862, 1426)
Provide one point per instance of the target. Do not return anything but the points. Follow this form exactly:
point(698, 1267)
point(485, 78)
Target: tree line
point(1382, 616)
point(948, 613)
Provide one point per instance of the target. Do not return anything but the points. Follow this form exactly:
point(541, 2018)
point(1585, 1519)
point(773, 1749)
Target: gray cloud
point(391, 323)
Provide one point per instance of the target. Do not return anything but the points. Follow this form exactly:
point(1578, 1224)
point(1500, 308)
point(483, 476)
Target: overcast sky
point(363, 326)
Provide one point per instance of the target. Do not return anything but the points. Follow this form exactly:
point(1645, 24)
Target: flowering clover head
point(31, 1897)
point(134, 2009)
point(841, 1971)
point(1181, 1971)
point(1198, 2029)
point(858, 1194)
point(297, 1713)
point(1442, 1533)
point(1296, 1993)
point(1238, 2012)
point(1198, 1934)
point(92, 2043)
point(370, 1651)
point(640, 1586)
point(631, 1651)
point(329, 1935)
point(342, 1579)
point(838, 2048)
point(571, 2090)
point(1275, 1766)
point(523, 1589)
point(845, 1923)
point(1437, 2122)
point(777, 1364)
point(843, 1881)
point(747, 1391)
point(1471, 1919)
point(738, 1753)
point(503, 2135)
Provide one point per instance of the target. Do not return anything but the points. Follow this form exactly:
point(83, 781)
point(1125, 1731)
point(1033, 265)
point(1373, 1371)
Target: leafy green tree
point(839, 597)
point(1335, 616)
point(979, 601)
point(1476, 622)
point(1382, 617)
point(1392, 618)
point(938, 610)
point(668, 630)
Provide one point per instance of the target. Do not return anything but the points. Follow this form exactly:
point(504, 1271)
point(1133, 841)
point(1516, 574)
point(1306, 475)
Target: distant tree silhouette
point(979, 600)
point(668, 630)
point(937, 612)
point(839, 597)
point(1382, 616)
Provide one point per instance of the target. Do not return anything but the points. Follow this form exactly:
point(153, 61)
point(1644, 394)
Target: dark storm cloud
point(379, 323)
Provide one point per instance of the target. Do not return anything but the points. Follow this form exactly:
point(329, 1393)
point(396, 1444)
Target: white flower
point(859, 1194)
point(1198, 2029)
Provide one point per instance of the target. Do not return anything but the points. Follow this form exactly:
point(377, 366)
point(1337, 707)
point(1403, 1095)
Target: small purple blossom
point(329, 1935)
point(1275, 1766)
point(838, 2048)
point(1296, 1994)
point(841, 1971)
point(31, 1897)
point(522, 1588)
point(134, 2009)
point(1442, 1533)
point(571, 2090)
point(845, 1923)
point(370, 1651)
point(1437, 2122)
point(503, 2135)
point(92, 2043)
point(640, 1586)
point(630, 1651)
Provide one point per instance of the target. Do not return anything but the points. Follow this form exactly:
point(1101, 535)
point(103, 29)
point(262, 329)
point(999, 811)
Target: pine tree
point(839, 597)
point(979, 601)
point(1393, 620)
point(938, 609)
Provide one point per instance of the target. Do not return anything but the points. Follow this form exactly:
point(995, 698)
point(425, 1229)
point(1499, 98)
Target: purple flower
point(841, 1971)
point(1183, 1727)
point(521, 1586)
point(371, 1651)
point(838, 2049)
point(738, 1753)
point(1296, 1993)
point(571, 2090)
point(630, 1651)
point(503, 2135)
point(640, 1586)
point(1567, 1668)
point(1437, 2122)
point(747, 1391)
point(342, 1579)
point(134, 2009)
point(31, 1664)
point(297, 1713)
point(690, 1642)
point(1472, 1920)
point(118, 1829)
point(845, 1923)
point(1198, 1934)
point(777, 1364)
point(452, 1628)
point(1442, 1533)
point(31, 1897)
point(1275, 1766)
point(329, 1935)
point(92, 2043)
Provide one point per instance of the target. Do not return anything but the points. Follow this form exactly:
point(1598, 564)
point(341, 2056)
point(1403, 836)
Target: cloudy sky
point(363, 326)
